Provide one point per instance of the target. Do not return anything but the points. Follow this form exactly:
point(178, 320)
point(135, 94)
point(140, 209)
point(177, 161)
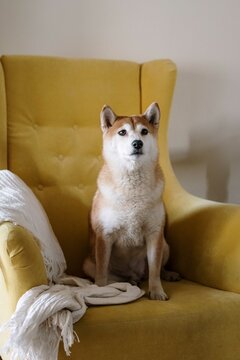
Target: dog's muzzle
point(137, 145)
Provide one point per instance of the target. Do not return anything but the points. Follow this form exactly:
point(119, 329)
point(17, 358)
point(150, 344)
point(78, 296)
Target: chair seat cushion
point(197, 322)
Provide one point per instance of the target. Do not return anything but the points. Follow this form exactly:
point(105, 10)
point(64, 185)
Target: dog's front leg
point(154, 255)
point(103, 253)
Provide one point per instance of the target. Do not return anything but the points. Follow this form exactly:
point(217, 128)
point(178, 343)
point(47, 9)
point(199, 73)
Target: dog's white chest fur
point(131, 209)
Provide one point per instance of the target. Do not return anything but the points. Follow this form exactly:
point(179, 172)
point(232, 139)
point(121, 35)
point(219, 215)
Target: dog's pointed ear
point(107, 118)
point(152, 114)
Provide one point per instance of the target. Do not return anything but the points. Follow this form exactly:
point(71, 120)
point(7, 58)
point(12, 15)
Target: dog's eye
point(144, 132)
point(122, 132)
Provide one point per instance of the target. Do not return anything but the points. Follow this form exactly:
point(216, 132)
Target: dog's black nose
point(137, 144)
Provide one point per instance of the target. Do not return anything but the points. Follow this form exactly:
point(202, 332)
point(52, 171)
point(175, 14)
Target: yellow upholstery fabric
point(54, 137)
point(22, 268)
point(196, 323)
point(204, 237)
point(50, 137)
point(22, 265)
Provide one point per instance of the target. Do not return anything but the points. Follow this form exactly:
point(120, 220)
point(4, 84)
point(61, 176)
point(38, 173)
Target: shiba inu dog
point(127, 216)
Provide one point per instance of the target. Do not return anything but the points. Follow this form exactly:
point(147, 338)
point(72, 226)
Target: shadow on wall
point(210, 137)
point(219, 151)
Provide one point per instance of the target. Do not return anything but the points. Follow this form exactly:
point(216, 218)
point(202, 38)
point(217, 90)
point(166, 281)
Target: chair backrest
point(50, 134)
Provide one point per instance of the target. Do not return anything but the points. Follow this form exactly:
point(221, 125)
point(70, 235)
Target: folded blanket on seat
point(45, 314)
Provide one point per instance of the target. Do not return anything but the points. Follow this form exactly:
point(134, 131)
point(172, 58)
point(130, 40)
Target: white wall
point(202, 37)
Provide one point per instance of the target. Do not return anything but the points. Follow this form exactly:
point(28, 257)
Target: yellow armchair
point(50, 137)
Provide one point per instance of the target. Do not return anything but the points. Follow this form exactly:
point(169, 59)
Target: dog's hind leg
point(89, 268)
point(166, 274)
point(112, 278)
point(170, 275)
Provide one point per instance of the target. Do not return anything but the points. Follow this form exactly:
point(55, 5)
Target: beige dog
point(127, 217)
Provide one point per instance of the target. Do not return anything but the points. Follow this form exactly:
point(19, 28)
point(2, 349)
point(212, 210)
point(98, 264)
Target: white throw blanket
point(19, 205)
point(45, 314)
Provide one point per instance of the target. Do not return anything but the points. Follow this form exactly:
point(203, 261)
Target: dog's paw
point(170, 275)
point(158, 295)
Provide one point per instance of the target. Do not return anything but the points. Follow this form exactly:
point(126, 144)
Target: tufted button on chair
point(50, 136)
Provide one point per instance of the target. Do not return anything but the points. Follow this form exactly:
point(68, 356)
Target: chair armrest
point(204, 238)
point(21, 261)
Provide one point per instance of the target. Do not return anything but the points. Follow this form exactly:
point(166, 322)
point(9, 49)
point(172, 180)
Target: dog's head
point(130, 141)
